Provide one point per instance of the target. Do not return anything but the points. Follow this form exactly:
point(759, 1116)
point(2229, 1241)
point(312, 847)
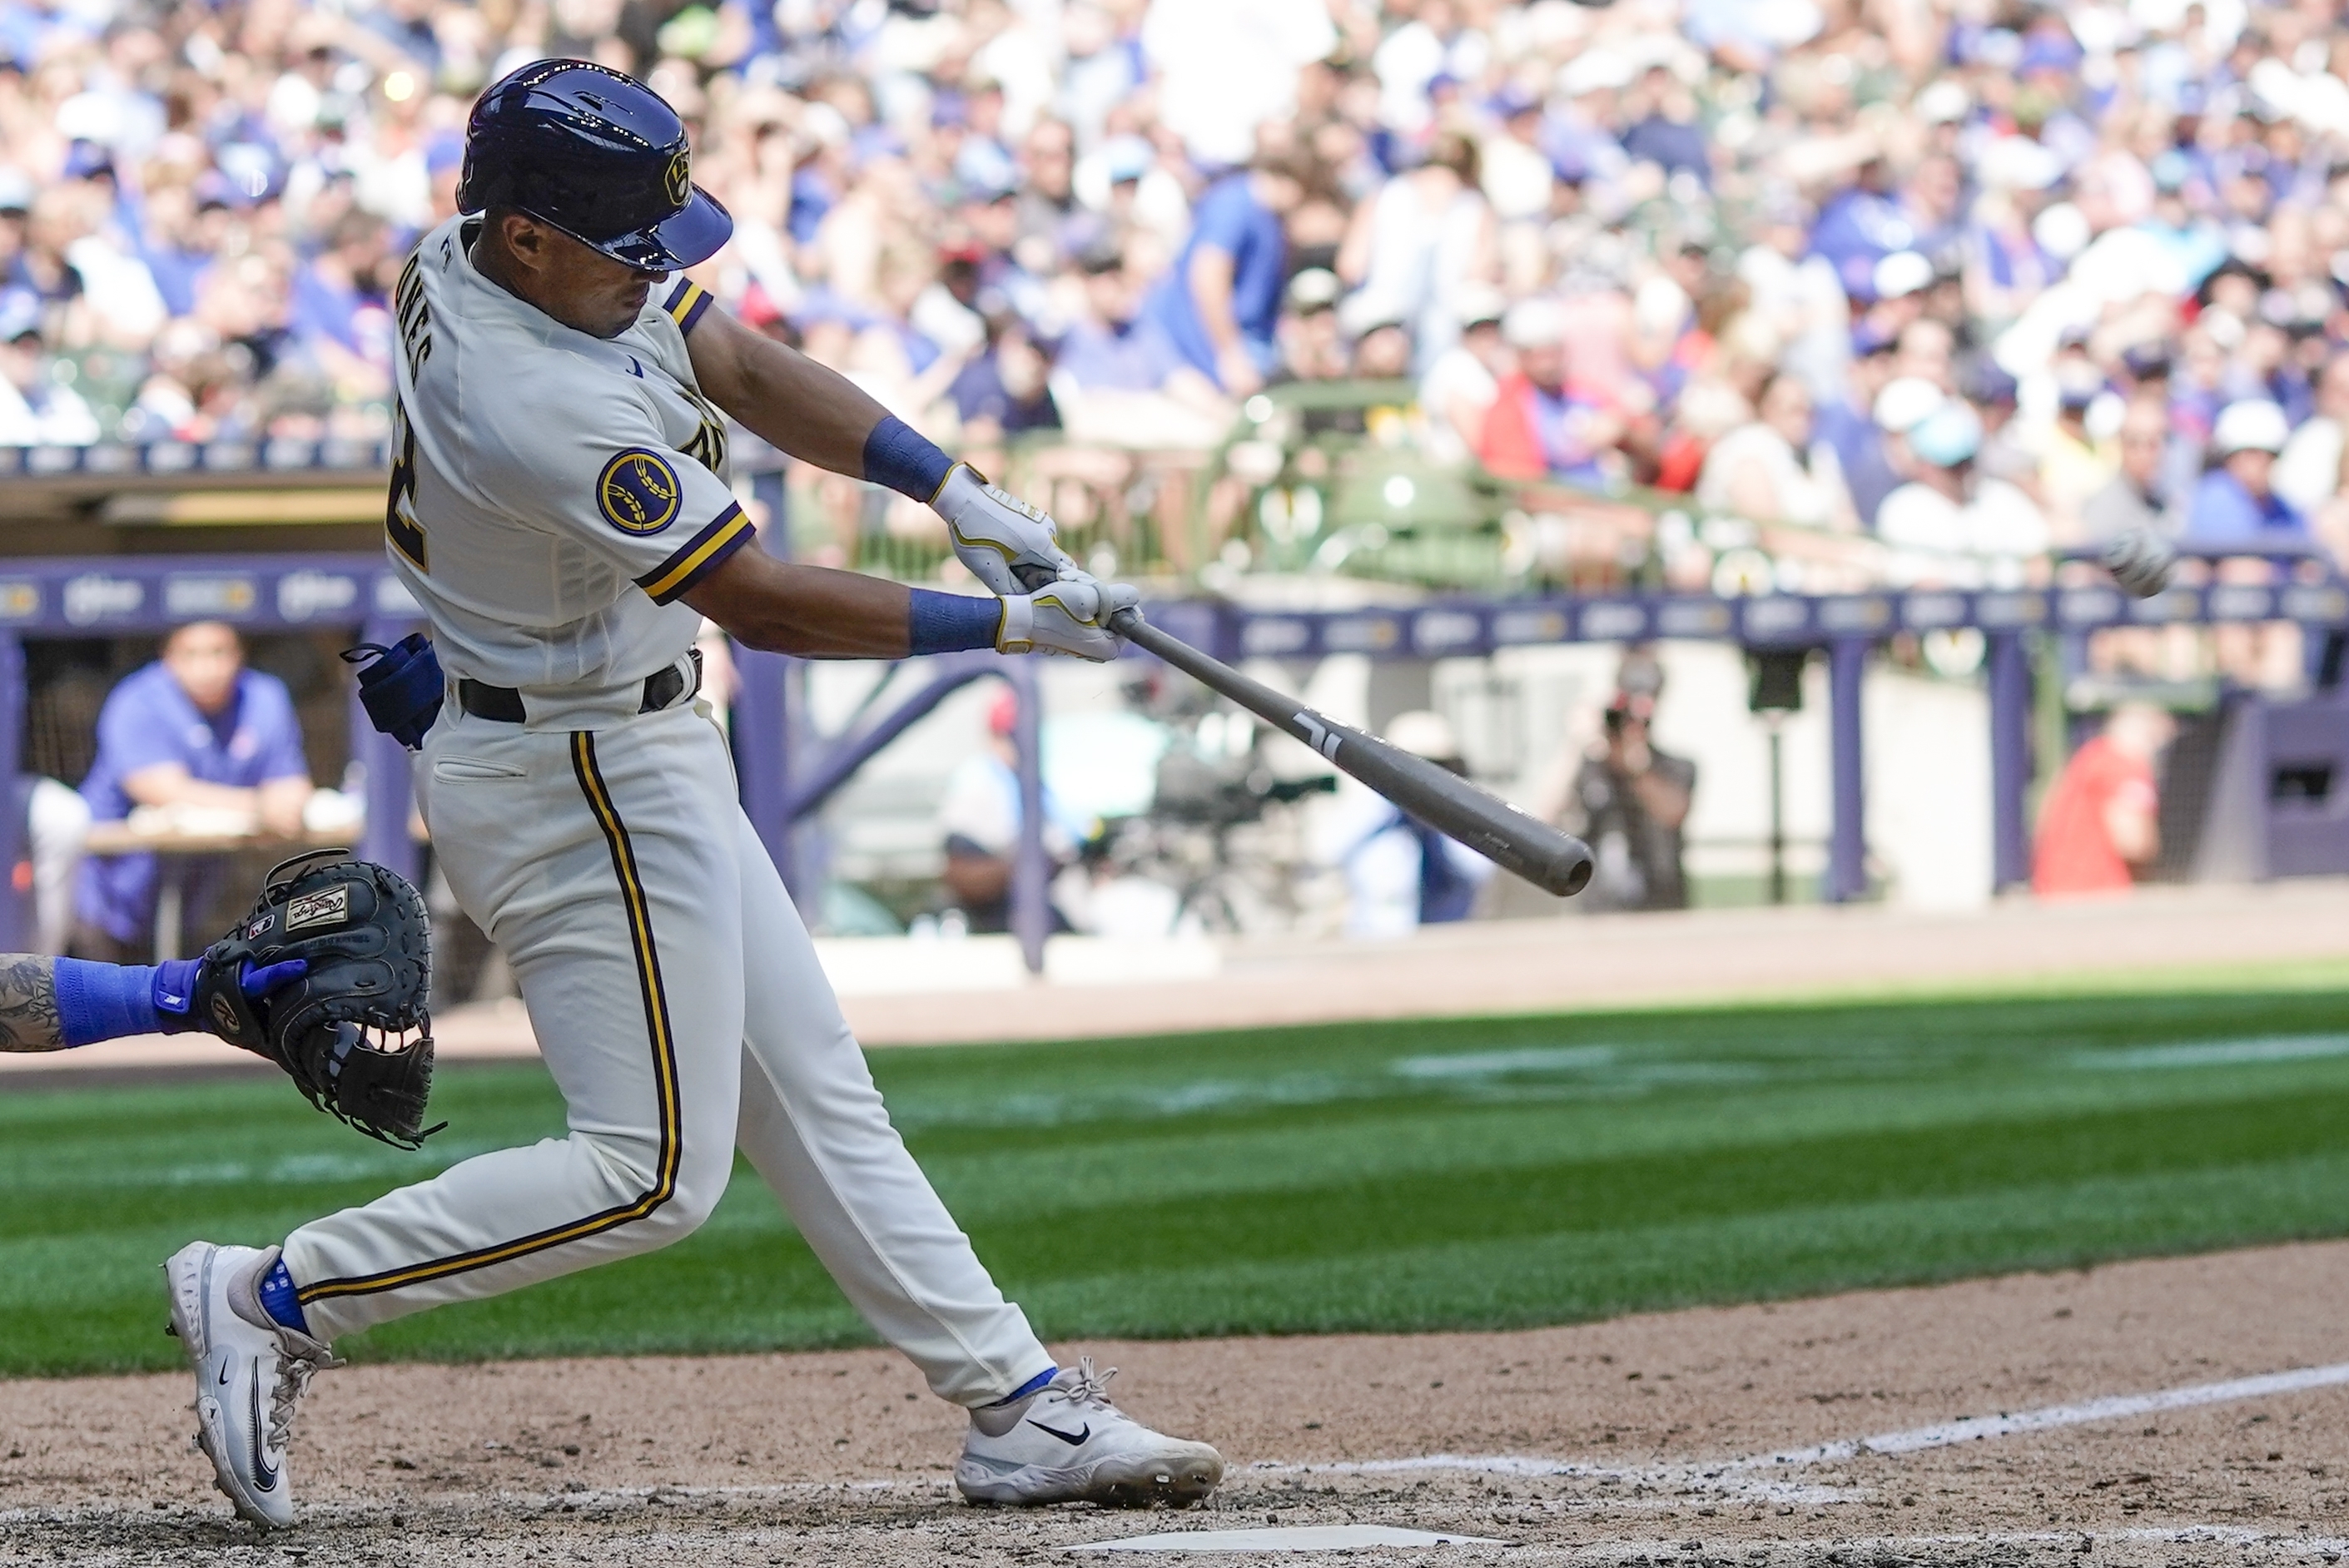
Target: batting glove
point(1071, 616)
point(1008, 544)
point(2139, 561)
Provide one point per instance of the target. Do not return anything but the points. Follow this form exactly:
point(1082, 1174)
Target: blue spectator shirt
point(1856, 229)
point(1231, 219)
point(1674, 144)
point(2224, 513)
point(978, 393)
point(1136, 357)
point(1561, 421)
point(148, 720)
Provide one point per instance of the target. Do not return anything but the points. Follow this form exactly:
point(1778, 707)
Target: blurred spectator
point(2134, 500)
point(1776, 469)
point(2308, 472)
point(1004, 390)
point(206, 743)
point(2101, 824)
point(36, 408)
point(1629, 802)
point(1541, 425)
point(1220, 302)
point(1401, 875)
point(1413, 247)
point(1463, 383)
point(1948, 526)
point(980, 819)
point(2236, 503)
point(1114, 346)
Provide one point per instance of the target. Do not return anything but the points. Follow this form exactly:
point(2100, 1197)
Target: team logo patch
point(638, 493)
point(328, 906)
point(680, 177)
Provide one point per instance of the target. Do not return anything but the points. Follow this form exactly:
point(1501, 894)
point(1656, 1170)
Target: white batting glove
point(1008, 544)
point(2139, 561)
point(1071, 616)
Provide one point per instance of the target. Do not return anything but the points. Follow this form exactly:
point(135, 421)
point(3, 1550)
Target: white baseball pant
point(679, 1006)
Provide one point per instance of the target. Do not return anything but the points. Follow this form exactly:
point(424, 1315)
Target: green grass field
point(1425, 1175)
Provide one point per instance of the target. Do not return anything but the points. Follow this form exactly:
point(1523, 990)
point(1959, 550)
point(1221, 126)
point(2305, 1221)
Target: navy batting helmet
point(598, 155)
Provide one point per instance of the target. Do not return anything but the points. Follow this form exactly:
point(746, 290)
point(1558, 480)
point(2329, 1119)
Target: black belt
point(663, 688)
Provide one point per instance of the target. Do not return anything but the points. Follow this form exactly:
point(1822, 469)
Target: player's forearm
point(787, 399)
point(54, 1004)
point(171, 785)
point(28, 1004)
point(809, 612)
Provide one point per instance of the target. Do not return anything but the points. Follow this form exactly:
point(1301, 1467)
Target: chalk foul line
point(1749, 1476)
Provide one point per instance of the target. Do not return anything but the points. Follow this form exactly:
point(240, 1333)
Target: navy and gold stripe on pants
point(638, 911)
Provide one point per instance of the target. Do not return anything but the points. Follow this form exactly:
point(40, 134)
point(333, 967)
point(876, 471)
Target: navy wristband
point(951, 622)
point(899, 456)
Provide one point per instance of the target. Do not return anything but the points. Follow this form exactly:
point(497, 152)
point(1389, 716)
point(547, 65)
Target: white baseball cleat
point(250, 1373)
point(1067, 1443)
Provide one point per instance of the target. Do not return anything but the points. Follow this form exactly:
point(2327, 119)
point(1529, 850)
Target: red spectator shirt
point(2076, 853)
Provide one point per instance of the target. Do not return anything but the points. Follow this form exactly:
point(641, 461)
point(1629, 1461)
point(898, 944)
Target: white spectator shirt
point(553, 495)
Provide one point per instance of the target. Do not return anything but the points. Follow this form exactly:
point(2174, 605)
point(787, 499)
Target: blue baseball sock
point(278, 1300)
point(1033, 1386)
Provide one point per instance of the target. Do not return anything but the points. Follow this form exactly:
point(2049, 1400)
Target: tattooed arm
point(28, 1005)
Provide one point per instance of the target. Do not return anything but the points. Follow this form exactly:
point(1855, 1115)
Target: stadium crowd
point(1950, 280)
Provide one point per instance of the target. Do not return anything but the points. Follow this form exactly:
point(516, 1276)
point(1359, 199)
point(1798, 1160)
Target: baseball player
point(560, 507)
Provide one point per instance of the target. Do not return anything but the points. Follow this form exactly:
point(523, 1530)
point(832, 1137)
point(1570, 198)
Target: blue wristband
point(950, 623)
point(104, 1001)
point(899, 456)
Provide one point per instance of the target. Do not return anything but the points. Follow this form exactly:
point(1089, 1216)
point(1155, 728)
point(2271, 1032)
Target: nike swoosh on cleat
point(1085, 1432)
point(264, 1478)
point(223, 1375)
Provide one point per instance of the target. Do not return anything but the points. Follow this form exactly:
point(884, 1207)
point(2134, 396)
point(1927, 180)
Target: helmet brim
point(685, 238)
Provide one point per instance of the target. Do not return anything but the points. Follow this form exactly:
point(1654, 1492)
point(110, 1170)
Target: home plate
point(1289, 1538)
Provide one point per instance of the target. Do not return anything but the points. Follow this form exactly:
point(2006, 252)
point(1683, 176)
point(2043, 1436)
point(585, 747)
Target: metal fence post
point(1031, 913)
point(15, 903)
point(2008, 677)
point(1847, 839)
point(390, 786)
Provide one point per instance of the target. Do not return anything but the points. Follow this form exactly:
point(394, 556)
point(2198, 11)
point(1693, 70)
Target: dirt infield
point(1711, 1436)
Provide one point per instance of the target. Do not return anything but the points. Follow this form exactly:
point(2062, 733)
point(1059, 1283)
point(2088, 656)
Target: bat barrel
point(1554, 862)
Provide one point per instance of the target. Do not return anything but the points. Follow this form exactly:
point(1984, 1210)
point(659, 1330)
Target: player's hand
point(1007, 543)
point(2139, 561)
point(1071, 616)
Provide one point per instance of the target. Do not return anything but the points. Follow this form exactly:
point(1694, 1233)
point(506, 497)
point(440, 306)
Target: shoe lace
point(1089, 1390)
point(294, 1370)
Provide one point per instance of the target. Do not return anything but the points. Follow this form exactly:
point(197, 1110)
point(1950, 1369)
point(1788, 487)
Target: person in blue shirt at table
point(196, 728)
point(2235, 503)
point(1220, 301)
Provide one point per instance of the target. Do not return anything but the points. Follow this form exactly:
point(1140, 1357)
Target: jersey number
point(399, 524)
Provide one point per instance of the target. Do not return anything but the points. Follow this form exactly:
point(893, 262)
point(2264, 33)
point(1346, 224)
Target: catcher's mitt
point(353, 1032)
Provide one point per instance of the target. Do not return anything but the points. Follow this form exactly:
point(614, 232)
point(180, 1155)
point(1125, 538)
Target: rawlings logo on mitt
point(353, 1031)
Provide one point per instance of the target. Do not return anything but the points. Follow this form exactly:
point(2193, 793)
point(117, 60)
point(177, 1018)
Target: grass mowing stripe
point(1394, 1176)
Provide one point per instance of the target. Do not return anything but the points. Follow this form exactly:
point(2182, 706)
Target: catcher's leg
point(814, 1126)
point(602, 864)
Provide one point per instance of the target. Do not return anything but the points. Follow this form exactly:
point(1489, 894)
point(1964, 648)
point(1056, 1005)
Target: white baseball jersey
point(554, 494)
